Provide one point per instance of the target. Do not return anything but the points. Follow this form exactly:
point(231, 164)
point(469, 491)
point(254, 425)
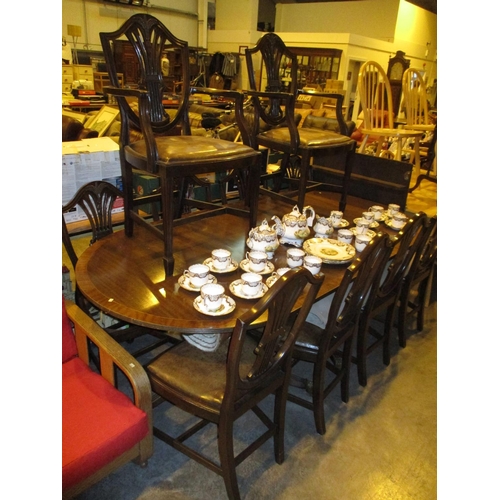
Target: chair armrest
point(111, 354)
point(238, 98)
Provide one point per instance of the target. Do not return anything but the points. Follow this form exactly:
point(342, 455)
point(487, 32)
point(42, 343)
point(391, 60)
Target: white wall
point(94, 16)
point(370, 18)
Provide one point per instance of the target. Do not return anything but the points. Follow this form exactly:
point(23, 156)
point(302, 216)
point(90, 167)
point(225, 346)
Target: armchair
point(102, 428)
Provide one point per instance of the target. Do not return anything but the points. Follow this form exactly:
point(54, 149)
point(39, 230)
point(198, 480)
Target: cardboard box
point(85, 161)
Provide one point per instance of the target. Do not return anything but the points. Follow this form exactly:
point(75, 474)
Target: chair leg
point(168, 222)
point(389, 321)
point(403, 317)
point(128, 188)
point(279, 420)
point(318, 397)
point(347, 175)
point(304, 174)
point(346, 369)
point(226, 455)
point(361, 350)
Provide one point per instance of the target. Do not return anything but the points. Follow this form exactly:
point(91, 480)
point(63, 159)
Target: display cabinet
point(317, 65)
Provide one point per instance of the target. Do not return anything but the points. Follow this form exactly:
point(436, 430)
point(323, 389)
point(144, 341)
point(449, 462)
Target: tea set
point(263, 241)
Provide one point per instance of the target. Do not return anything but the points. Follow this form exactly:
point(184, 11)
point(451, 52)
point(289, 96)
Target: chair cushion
point(309, 137)
point(309, 337)
point(69, 349)
point(196, 149)
point(99, 422)
point(199, 377)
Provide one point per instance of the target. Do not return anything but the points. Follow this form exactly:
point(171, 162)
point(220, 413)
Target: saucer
point(227, 306)
point(369, 232)
point(373, 225)
point(210, 263)
point(245, 265)
point(343, 223)
point(388, 223)
point(185, 283)
point(272, 280)
point(236, 288)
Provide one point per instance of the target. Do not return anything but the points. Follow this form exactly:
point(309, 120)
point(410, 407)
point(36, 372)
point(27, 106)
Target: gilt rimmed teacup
point(393, 209)
point(313, 264)
point(377, 211)
point(369, 216)
point(399, 220)
point(362, 241)
point(256, 260)
point(197, 274)
point(362, 225)
point(345, 235)
point(221, 258)
point(251, 283)
point(212, 294)
point(295, 257)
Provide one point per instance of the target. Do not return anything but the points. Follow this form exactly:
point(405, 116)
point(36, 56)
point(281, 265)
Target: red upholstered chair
point(102, 428)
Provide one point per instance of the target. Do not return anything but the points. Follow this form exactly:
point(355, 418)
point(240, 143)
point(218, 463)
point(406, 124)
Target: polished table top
point(125, 277)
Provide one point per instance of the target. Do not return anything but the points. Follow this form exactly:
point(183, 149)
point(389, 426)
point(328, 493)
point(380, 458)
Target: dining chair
point(276, 109)
point(167, 149)
point(374, 91)
point(219, 387)
point(407, 245)
point(96, 199)
point(415, 102)
point(417, 283)
point(329, 349)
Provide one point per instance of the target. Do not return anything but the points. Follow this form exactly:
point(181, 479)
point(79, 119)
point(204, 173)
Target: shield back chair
point(327, 348)
point(378, 115)
point(167, 149)
point(407, 244)
point(219, 387)
point(276, 109)
point(96, 199)
point(417, 284)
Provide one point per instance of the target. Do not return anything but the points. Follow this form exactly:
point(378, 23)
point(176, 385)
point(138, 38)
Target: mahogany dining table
point(125, 276)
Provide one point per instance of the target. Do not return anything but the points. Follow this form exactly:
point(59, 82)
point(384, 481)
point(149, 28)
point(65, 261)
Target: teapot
point(323, 227)
point(265, 237)
point(295, 225)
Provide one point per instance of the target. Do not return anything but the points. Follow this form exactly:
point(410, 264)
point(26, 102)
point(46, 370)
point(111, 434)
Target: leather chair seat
point(186, 148)
point(199, 377)
point(308, 137)
point(309, 337)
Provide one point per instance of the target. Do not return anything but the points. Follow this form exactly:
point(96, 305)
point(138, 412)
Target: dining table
point(124, 276)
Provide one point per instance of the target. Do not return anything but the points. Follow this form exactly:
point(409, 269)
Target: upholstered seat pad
point(309, 337)
point(188, 148)
point(308, 137)
point(99, 422)
point(199, 377)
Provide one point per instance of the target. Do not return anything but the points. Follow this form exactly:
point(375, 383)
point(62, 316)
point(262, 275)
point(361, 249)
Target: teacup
point(345, 235)
point(276, 275)
point(221, 259)
point(336, 217)
point(295, 257)
point(256, 260)
point(313, 263)
point(392, 209)
point(197, 274)
point(212, 295)
point(362, 225)
point(251, 283)
point(377, 211)
point(361, 241)
point(369, 216)
point(399, 220)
